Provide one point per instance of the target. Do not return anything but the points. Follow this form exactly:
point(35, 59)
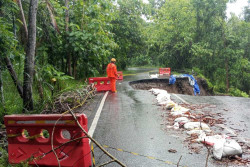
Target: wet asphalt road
point(130, 121)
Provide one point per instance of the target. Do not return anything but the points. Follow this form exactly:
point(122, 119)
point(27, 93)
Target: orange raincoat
point(112, 74)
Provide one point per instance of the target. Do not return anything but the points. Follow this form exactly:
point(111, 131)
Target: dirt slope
point(181, 86)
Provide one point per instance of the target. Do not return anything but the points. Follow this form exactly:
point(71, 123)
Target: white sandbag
point(163, 93)
point(226, 147)
point(154, 76)
point(165, 102)
point(176, 125)
point(163, 96)
point(211, 140)
point(196, 125)
point(199, 132)
point(171, 104)
point(179, 108)
point(218, 148)
point(177, 113)
point(153, 90)
point(181, 120)
point(158, 91)
point(231, 147)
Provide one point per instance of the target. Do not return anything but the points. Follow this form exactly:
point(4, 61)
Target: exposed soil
point(181, 86)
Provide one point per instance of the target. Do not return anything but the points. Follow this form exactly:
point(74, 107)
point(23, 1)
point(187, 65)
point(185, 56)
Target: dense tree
point(195, 34)
point(79, 37)
point(247, 12)
point(127, 29)
point(30, 58)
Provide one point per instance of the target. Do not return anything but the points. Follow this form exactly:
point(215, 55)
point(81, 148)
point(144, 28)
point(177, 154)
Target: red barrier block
point(26, 140)
point(101, 83)
point(165, 71)
point(120, 74)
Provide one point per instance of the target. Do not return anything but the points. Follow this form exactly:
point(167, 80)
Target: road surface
point(133, 129)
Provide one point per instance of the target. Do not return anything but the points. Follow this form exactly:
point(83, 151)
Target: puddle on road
point(181, 86)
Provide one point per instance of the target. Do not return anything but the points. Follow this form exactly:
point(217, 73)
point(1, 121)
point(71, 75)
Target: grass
point(14, 104)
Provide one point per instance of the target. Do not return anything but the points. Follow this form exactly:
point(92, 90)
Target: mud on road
point(181, 86)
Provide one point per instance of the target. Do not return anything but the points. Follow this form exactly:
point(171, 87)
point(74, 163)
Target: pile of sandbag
point(222, 144)
point(162, 96)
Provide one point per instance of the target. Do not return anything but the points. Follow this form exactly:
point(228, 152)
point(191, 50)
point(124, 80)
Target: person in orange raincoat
point(112, 74)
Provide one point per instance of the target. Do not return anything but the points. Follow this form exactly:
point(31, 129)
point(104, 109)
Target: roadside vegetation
point(55, 46)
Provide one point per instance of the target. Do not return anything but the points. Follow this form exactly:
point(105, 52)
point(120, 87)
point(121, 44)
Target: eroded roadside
point(181, 86)
point(209, 113)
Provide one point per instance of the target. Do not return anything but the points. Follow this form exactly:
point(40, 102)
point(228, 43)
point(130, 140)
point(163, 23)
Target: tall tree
point(19, 2)
point(127, 28)
point(6, 40)
point(2, 101)
point(69, 57)
point(247, 12)
point(29, 58)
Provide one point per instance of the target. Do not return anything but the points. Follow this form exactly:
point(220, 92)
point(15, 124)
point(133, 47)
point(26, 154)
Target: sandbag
point(163, 96)
point(157, 91)
point(181, 120)
point(179, 108)
point(222, 145)
point(211, 140)
point(231, 147)
point(176, 125)
point(171, 104)
point(199, 132)
point(218, 148)
point(196, 125)
point(166, 102)
point(226, 147)
point(154, 76)
point(177, 113)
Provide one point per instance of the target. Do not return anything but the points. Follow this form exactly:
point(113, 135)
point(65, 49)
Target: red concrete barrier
point(26, 140)
point(101, 83)
point(120, 74)
point(165, 71)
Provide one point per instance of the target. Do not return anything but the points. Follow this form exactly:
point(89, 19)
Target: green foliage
point(141, 60)
point(195, 34)
point(127, 29)
point(237, 92)
point(89, 40)
point(4, 158)
point(8, 42)
point(13, 102)
point(199, 74)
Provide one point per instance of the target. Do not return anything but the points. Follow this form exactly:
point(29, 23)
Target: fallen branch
point(52, 141)
point(208, 153)
point(94, 141)
point(179, 161)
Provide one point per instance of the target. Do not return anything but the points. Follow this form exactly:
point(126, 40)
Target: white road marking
point(184, 101)
point(97, 116)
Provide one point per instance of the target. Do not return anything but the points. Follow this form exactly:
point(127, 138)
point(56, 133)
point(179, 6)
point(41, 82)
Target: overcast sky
point(236, 7)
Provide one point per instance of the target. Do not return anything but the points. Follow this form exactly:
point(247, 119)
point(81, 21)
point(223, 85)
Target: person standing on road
point(112, 74)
